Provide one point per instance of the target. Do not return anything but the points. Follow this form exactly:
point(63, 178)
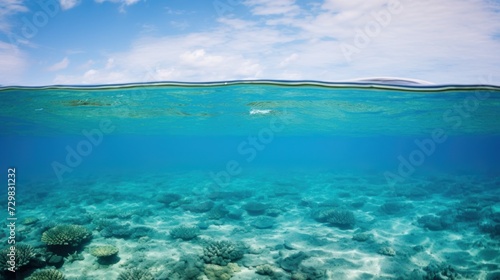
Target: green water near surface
point(225, 109)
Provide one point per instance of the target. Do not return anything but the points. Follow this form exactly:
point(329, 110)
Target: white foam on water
point(259, 112)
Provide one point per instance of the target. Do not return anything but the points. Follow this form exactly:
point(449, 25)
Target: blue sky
point(47, 42)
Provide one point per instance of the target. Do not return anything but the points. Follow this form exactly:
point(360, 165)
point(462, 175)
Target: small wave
point(393, 81)
point(259, 112)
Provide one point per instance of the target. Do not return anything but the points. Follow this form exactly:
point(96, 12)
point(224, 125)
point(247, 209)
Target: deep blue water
point(417, 167)
point(358, 127)
point(34, 156)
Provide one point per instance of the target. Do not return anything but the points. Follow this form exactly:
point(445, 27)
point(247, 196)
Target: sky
point(46, 42)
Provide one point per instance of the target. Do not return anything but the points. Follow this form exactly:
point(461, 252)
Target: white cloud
point(176, 12)
point(275, 7)
point(61, 65)
point(289, 59)
point(7, 9)
point(123, 3)
point(443, 42)
point(130, 2)
point(181, 25)
point(110, 63)
point(148, 28)
point(236, 23)
point(87, 65)
point(194, 57)
point(68, 4)
point(419, 39)
point(360, 5)
point(12, 64)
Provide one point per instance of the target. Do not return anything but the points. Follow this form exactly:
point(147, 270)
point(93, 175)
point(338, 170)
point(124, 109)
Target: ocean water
point(298, 180)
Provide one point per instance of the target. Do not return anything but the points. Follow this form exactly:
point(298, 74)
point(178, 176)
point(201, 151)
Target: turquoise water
point(306, 179)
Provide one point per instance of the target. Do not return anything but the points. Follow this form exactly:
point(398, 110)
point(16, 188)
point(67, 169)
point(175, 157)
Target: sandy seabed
point(286, 225)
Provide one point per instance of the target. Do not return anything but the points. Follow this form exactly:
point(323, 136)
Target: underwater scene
point(262, 179)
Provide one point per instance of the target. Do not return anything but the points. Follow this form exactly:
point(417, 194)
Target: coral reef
point(362, 236)
point(263, 223)
point(388, 251)
point(235, 214)
point(203, 225)
point(185, 232)
point(310, 273)
point(30, 221)
point(169, 198)
point(115, 230)
point(217, 272)
point(47, 274)
point(135, 274)
point(138, 232)
point(221, 253)
point(105, 254)
point(493, 276)
point(103, 251)
point(238, 195)
point(265, 269)
point(358, 203)
point(101, 224)
point(255, 208)
point(67, 235)
point(273, 212)
point(217, 213)
point(299, 276)
point(435, 223)
point(292, 262)
point(54, 260)
point(490, 227)
point(200, 207)
point(321, 214)
point(308, 202)
point(441, 271)
point(189, 267)
point(394, 207)
point(74, 257)
point(340, 218)
point(468, 214)
point(23, 255)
